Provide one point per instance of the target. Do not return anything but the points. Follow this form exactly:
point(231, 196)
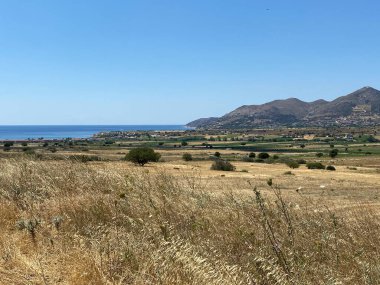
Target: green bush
point(292, 163)
point(330, 167)
point(319, 154)
point(252, 155)
point(187, 157)
point(222, 165)
point(263, 155)
point(142, 155)
point(8, 144)
point(184, 143)
point(248, 159)
point(315, 165)
point(217, 154)
point(301, 161)
point(333, 153)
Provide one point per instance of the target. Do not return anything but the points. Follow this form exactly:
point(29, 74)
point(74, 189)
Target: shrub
point(184, 143)
point(53, 149)
point(217, 154)
point(222, 165)
point(248, 159)
point(24, 144)
point(263, 155)
point(333, 153)
point(28, 150)
point(330, 167)
point(301, 161)
point(276, 156)
point(315, 165)
point(292, 163)
point(8, 144)
point(319, 154)
point(372, 139)
point(252, 155)
point(85, 158)
point(142, 155)
point(187, 157)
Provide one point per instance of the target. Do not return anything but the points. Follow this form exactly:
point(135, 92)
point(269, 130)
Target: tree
point(184, 143)
point(217, 154)
point(142, 155)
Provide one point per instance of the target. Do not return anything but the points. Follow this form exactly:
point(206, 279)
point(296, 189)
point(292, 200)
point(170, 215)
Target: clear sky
point(172, 61)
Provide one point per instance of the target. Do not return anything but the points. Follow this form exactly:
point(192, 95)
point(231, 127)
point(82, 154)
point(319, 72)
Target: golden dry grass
point(64, 222)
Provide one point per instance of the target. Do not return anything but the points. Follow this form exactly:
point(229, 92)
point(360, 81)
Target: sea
point(74, 131)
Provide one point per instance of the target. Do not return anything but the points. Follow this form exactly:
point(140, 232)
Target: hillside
point(361, 107)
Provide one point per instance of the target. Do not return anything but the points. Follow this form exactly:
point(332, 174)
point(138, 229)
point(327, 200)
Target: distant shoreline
point(56, 132)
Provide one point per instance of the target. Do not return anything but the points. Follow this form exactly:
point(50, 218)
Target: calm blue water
point(61, 132)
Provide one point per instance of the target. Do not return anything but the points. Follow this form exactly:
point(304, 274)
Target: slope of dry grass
point(71, 223)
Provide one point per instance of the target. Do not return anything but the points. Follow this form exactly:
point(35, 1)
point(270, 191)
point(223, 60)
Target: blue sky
point(172, 61)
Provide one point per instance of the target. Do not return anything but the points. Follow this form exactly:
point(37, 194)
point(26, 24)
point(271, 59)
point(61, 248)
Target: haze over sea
point(73, 131)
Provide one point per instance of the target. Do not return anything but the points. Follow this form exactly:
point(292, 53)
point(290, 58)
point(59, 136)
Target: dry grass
point(72, 223)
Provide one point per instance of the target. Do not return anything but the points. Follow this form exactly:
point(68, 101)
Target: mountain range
point(360, 108)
